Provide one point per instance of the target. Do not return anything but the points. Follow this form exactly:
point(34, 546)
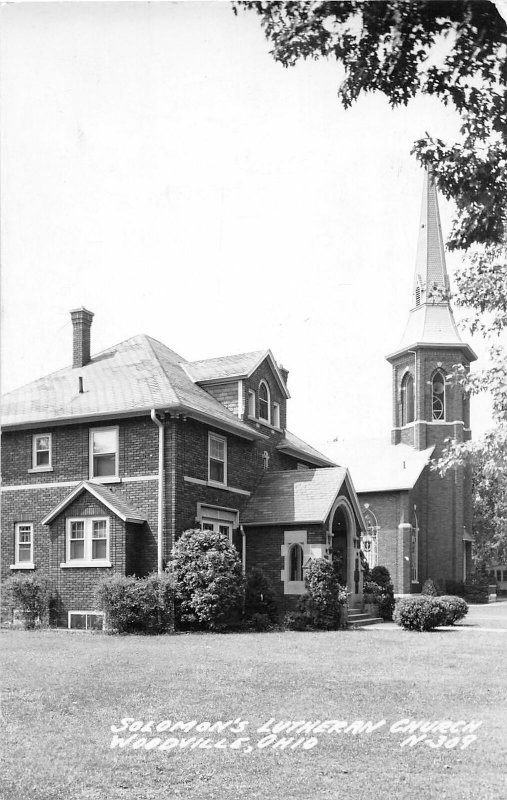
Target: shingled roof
point(296, 497)
point(114, 501)
point(236, 367)
point(294, 446)
point(130, 378)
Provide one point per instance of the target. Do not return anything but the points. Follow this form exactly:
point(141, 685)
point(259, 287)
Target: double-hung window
point(88, 541)
point(217, 459)
point(23, 545)
point(104, 453)
point(264, 402)
point(41, 451)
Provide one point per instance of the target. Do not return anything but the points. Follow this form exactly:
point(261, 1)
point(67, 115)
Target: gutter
point(243, 549)
point(161, 476)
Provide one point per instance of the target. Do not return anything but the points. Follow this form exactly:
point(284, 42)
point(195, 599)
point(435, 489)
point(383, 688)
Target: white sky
point(159, 168)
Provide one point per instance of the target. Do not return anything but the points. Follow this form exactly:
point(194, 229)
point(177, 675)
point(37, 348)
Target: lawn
point(63, 691)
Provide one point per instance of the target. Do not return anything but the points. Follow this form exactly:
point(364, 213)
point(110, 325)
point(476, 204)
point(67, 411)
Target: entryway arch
point(344, 541)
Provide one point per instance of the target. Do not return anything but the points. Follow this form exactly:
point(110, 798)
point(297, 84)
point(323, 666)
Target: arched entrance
point(345, 546)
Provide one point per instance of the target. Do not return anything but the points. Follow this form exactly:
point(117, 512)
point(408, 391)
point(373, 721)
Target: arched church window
point(296, 563)
point(407, 400)
point(264, 401)
point(438, 396)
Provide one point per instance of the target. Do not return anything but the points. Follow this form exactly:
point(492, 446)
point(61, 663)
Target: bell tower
point(426, 408)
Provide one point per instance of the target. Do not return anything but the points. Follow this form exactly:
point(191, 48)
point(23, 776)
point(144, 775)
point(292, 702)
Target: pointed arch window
point(264, 401)
point(438, 396)
point(296, 563)
point(407, 400)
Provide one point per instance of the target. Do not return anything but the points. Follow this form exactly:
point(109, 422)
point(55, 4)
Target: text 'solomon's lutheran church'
point(106, 462)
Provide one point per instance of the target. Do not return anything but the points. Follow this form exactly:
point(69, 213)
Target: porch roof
point(298, 496)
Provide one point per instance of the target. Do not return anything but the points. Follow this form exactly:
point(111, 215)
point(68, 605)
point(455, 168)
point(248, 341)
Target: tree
point(456, 52)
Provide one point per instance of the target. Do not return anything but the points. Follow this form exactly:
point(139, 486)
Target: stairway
point(358, 618)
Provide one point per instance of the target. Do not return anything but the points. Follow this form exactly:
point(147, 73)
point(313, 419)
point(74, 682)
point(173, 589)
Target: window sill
point(105, 479)
point(40, 469)
point(265, 423)
point(84, 564)
point(26, 565)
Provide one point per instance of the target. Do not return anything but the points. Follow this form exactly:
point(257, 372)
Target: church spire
point(431, 321)
point(431, 282)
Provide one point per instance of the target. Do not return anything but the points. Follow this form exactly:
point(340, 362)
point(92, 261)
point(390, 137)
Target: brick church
point(107, 461)
point(418, 523)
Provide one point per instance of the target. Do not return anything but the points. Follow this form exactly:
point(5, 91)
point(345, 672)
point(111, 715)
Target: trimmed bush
point(32, 596)
point(455, 608)
point(296, 621)
point(476, 588)
point(419, 613)
point(209, 580)
point(137, 605)
point(429, 588)
point(454, 588)
point(381, 577)
point(260, 622)
point(260, 597)
point(322, 606)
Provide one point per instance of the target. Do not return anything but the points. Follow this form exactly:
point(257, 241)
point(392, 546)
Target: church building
point(419, 523)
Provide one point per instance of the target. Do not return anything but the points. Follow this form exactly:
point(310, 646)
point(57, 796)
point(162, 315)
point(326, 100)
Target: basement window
point(86, 620)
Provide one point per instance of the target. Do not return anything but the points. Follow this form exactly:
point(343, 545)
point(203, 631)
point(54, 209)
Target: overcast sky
point(159, 168)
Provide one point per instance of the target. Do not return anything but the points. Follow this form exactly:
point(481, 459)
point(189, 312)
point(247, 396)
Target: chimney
point(81, 322)
point(284, 373)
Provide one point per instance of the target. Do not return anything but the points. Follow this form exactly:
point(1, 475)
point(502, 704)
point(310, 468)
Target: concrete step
point(360, 623)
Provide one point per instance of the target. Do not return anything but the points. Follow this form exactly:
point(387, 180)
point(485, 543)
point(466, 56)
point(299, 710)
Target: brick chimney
point(284, 373)
point(81, 322)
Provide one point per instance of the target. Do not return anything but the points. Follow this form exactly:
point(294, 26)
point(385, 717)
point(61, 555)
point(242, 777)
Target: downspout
point(160, 516)
point(243, 549)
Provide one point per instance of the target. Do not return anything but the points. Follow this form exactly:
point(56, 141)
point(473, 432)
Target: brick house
point(106, 462)
point(418, 523)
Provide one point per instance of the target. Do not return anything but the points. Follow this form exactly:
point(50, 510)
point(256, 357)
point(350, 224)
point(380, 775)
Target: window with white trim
point(41, 451)
point(251, 403)
point(264, 401)
point(296, 553)
point(104, 453)
point(88, 541)
point(23, 544)
point(217, 459)
point(86, 620)
point(296, 563)
point(407, 400)
point(276, 415)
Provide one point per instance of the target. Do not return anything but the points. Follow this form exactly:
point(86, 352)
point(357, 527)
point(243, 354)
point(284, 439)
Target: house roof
point(377, 466)
point(295, 496)
point(229, 368)
point(115, 502)
point(129, 378)
point(294, 446)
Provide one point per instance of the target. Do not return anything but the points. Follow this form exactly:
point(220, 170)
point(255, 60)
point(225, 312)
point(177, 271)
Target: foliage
point(137, 605)
point(260, 597)
point(429, 588)
point(372, 591)
point(31, 595)
point(455, 608)
point(453, 51)
point(476, 589)
point(296, 621)
point(326, 597)
point(455, 588)
point(364, 566)
point(381, 577)
point(260, 622)
point(419, 613)
point(209, 581)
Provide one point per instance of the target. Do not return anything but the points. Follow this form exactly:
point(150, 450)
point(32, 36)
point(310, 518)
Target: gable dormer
point(251, 385)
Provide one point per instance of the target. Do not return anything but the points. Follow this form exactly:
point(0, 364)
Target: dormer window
point(438, 396)
point(264, 401)
point(407, 400)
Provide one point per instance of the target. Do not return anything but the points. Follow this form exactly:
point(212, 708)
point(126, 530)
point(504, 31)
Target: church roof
point(294, 446)
point(295, 496)
point(130, 378)
point(431, 321)
point(376, 465)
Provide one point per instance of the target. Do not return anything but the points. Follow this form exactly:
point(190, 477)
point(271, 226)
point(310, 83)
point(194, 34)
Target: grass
point(63, 691)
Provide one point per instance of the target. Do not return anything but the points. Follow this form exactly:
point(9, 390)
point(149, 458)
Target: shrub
point(31, 595)
point(454, 607)
point(381, 577)
point(323, 604)
point(476, 588)
point(296, 621)
point(260, 597)
point(137, 605)
point(209, 580)
point(372, 591)
point(419, 613)
point(260, 622)
point(454, 588)
point(429, 588)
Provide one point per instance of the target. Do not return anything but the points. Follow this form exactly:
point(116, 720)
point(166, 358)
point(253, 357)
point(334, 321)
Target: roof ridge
point(229, 355)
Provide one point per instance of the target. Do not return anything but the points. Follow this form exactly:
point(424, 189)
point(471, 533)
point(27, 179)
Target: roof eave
point(471, 355)
point(282, 522)
point(291, 450)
